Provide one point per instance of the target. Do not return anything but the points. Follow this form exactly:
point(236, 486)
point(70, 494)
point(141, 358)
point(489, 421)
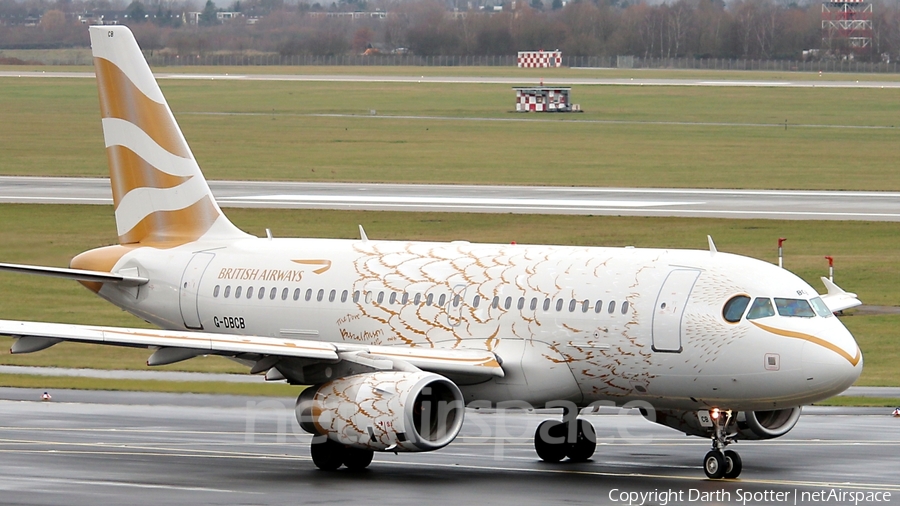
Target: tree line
point(738, 29)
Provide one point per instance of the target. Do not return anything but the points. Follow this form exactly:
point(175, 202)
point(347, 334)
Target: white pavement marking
point(463, 201)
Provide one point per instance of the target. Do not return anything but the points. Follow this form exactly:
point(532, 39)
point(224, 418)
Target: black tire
point(714, 465)
point(357, 459)
point(733, 464)
point(585, 444)
point(327, 455)
point(554, 450)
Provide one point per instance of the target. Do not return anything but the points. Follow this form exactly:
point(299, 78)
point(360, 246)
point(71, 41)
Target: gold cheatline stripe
point(173, 228)
point(129, 171)
point(813, 339)
point(120, 98)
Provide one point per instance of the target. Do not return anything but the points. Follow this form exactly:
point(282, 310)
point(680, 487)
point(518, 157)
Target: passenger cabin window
point(405, 299)
point(761, 308)
point(521, 303)
point(598, 306)
point(612, 307)
point(572, 304)
point(272, 293)
point(344, 296)
point(734, 308)
point(296, 294)
point(308, 295)
point(380, 298)
point(216, 291)
point(262, 292)
point(429, 300)
point(585, 306)
point(321, 294)
point(625, 307)
point(237, 292)
point(507, 303)
point(559, 304)
point(227, 291)
point(250, 292)
point(331, 295)
point(533, 305)
point(393, 298)
point(794, 308)
point(456, 300)
point(546, 305)
point(417, 299)
point(356, 296)
point(476, 301)
point(284, 293)
point(442, 299)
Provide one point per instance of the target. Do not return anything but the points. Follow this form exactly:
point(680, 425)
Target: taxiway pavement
point(85, 448)
point(773, 204)
point(525, 79)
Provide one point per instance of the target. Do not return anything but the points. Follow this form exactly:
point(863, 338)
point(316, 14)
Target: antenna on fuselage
point(362, 234)
point(712, 246)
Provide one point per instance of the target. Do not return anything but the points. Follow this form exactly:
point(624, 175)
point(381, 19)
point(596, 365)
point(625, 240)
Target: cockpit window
point(761, 308)
point(734, 308)
point(819, 305)
point(794, 307)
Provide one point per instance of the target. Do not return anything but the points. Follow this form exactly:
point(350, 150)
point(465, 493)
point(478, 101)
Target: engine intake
point(747, 425)
point(388, 410)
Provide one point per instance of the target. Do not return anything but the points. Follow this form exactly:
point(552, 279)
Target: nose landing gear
point(721, 463)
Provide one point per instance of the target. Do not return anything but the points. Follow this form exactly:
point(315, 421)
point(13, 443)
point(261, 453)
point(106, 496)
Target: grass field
point(459, 133)
point(50, 235)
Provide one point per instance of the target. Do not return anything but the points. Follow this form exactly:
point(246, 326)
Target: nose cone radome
point(831, 366)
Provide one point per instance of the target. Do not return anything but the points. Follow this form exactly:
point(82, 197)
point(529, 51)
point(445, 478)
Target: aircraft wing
point(837, 299)
point(172, 346)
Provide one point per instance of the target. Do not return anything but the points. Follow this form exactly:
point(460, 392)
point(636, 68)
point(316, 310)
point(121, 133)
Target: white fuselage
point(569, 323)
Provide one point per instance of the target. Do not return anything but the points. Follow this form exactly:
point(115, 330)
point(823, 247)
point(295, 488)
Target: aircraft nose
point(829, 368)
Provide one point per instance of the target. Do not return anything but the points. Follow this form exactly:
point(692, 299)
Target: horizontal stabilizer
point(76, 274)
point(837, 299)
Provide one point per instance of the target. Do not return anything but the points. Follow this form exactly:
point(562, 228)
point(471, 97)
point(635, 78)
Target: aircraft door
point(669, 309)
point(455, 303)
point(189, 290)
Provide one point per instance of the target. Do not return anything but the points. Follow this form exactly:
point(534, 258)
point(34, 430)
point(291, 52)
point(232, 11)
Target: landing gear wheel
point(585, 443)
point(733, 464)
point(556, 448)
point(714, 465)
point(357, 459)
point(327, 455)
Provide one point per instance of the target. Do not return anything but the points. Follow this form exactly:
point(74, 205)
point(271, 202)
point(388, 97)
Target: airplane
point(395, 338)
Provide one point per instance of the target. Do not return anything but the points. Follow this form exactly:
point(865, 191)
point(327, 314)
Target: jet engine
point(747, 425)
point(385, 410)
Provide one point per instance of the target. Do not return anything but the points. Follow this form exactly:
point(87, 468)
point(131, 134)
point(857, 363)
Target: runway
point(85, 448)
point(770, 204)
point(529, 78)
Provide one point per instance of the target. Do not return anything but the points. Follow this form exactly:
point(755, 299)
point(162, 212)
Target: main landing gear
point(329, 455)
point(721, 463)
point(573, 437)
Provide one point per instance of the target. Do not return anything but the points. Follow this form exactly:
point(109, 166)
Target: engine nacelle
point(767, 424)
point(747, 425)
point(387, 410)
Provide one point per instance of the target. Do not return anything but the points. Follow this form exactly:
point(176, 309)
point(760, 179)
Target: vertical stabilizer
point(161, 198)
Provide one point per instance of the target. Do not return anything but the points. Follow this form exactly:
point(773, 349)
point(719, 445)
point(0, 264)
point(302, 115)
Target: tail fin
point(161, 198)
